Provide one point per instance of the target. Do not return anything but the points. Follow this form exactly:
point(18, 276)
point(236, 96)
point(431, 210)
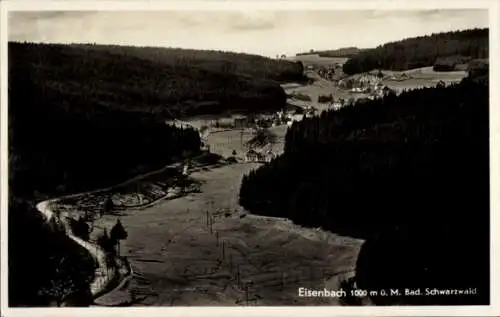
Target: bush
point(80, 228)
point(325, 98)
point(208, 158)
point(301, 97)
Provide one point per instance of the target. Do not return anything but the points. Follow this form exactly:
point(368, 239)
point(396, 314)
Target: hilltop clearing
point(317, 60)
point(345, 52)
point(444, 51)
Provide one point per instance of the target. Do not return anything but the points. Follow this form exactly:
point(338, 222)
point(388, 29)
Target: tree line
point(408, 173)
point(444, 49)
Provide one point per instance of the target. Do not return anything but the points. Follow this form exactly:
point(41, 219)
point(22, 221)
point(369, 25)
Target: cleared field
point(419, 78)
point(423, 77)
point(224, 142)
point(319, 87)
point(179, 259)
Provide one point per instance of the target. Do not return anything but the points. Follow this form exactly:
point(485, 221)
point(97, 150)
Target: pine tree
point(118, 233)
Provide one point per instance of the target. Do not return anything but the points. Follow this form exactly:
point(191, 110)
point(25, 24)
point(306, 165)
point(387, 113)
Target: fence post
point(246, 292)
point(223, 250)
point(230, 263)
point(311, 276)
point(217, 238)
point(238, 276)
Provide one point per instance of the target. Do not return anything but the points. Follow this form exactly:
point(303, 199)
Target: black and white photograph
point(279, 156)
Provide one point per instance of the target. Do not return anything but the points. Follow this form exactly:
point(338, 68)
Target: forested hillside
point(443, 49)
point(159, 81)
point(214, 61)
point(409, 173)
point(82, 118)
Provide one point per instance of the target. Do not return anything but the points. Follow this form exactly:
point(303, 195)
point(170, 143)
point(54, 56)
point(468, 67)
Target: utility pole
point(241, 138)
point(246, 292)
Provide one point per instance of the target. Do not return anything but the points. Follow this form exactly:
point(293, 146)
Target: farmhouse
point(337, 104)
point(180, 124)
point(295, 118)
point(269, 156)
point(441, 84)
point(310, 113)
point(260, 157)
point(251, 156)
point(241, 123)
point(386, 91)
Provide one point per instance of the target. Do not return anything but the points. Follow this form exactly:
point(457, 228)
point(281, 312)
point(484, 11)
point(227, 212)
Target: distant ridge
point(341, 52)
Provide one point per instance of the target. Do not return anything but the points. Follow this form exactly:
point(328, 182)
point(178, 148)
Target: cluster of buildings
point(327, 72)
point(369, 84)
point(260, 157)
point(285, 116)
point(294, 115)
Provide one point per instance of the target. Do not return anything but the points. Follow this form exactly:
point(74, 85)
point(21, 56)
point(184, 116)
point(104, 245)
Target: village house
point(337, 104)
point(310, 114)
point(269, 156)
point(260, 157)
point(241, 123)
point(441, 84)
point(180, 124)
point(295, 118)
point(251, 156)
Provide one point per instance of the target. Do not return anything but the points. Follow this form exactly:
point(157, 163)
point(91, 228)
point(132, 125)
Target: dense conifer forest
point(166, 82)
point(83, 117)
point(213, 61)
point(443, 50)
point(408, 173)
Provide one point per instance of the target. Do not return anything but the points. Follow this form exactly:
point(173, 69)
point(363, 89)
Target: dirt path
point(179, 259)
